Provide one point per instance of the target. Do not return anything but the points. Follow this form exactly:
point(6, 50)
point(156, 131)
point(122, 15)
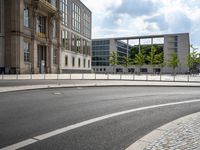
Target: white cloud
point(113, 18)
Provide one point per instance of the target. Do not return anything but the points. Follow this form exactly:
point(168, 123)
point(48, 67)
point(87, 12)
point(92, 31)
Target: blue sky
point(119, 18)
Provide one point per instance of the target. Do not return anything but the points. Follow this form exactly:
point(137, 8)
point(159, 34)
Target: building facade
point(102, 48)
point(45, 36)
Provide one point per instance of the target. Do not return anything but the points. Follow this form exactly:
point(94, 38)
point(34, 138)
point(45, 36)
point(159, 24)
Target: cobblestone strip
point(184, 134)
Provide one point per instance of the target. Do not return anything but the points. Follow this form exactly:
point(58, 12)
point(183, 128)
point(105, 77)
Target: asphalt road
point(27, 114)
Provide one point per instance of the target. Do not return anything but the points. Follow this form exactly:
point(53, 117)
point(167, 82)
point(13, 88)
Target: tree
point(127, 61)
point(139, 59)
point(173, 62)
point(160, 61)
point(113, 60)
point(152, 57)
point(193, 60)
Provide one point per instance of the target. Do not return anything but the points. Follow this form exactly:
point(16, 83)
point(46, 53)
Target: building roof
point(140, 37)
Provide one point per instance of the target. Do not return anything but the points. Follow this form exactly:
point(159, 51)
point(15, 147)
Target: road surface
point(28, 114)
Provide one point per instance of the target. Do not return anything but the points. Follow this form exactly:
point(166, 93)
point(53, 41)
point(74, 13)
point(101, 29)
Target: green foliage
point(113, 59)
point(151, 58)
point(173, 61)
point(127, 61)
point(193, 59)
point(153, 54)
point(160, 60)
point(139, 58)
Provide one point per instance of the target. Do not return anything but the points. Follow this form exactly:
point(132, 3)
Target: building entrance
point(42, 58)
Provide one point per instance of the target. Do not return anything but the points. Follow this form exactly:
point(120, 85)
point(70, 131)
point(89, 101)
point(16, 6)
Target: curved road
point(27, 114)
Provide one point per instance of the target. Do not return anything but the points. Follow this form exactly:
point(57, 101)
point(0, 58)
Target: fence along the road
point(142, 77)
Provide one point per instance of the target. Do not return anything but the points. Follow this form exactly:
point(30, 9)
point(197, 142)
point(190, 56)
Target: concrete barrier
point(38, 76)
point(140, 77)
point(114, 77)
point(24, 77)
point(154, 77)
point(88, 76)
point(64, 76)
point(127, 77)
point(167, 78)
point(76, 76)
point(10, 77)
point(194, 78)
point(101, 76)
point(51, 76)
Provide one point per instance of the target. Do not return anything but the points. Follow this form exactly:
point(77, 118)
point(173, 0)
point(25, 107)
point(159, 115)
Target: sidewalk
point(181, 134)
point(18, 85)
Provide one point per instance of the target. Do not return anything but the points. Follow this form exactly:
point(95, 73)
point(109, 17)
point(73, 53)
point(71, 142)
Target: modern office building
point(44, 36)
point(101, 49)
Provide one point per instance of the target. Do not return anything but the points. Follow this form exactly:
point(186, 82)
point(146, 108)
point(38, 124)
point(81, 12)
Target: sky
point(120, 18)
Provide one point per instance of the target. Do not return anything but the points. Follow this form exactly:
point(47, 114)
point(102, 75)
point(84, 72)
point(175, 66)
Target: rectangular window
point(86, 24)
point(41, 24)
point(73, 61)
point(79, 62)
point(84, 63)
point(88, 63)
point(26, 52)
point(54, 29)
point(26, 16)
point(66, 60)
point(63, 10)
point(73, 44)
point(53, 2)
point(76, 18)
point(78, 44)
point(54, 56)
point(64, 38)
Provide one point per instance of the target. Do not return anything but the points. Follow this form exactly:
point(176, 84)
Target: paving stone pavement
point(185, 135)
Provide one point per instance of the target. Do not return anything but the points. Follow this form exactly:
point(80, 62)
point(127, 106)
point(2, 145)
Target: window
point(26, 52)
point(86, 24)
point(88, 63)
point(76, 17)
point(64, 38)
point(54, 29)
point(66, 60)
point(84, 63)
point(26, 16)
point(73, 42)
point(78, 44)
point(63, 10)
point(53, 2)
point(54, 56)
point(79, 62)
point(41, 24)
point(73, 61)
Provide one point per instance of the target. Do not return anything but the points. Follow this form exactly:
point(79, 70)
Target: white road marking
point(57, 93)
point(87, 122)
point(20, 144)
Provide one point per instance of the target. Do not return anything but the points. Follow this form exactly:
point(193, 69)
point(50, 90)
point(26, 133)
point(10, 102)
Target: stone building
point(170, 43)
point(44, 36)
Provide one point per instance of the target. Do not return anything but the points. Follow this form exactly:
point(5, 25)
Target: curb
point(142, 143)
point(130, 84)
